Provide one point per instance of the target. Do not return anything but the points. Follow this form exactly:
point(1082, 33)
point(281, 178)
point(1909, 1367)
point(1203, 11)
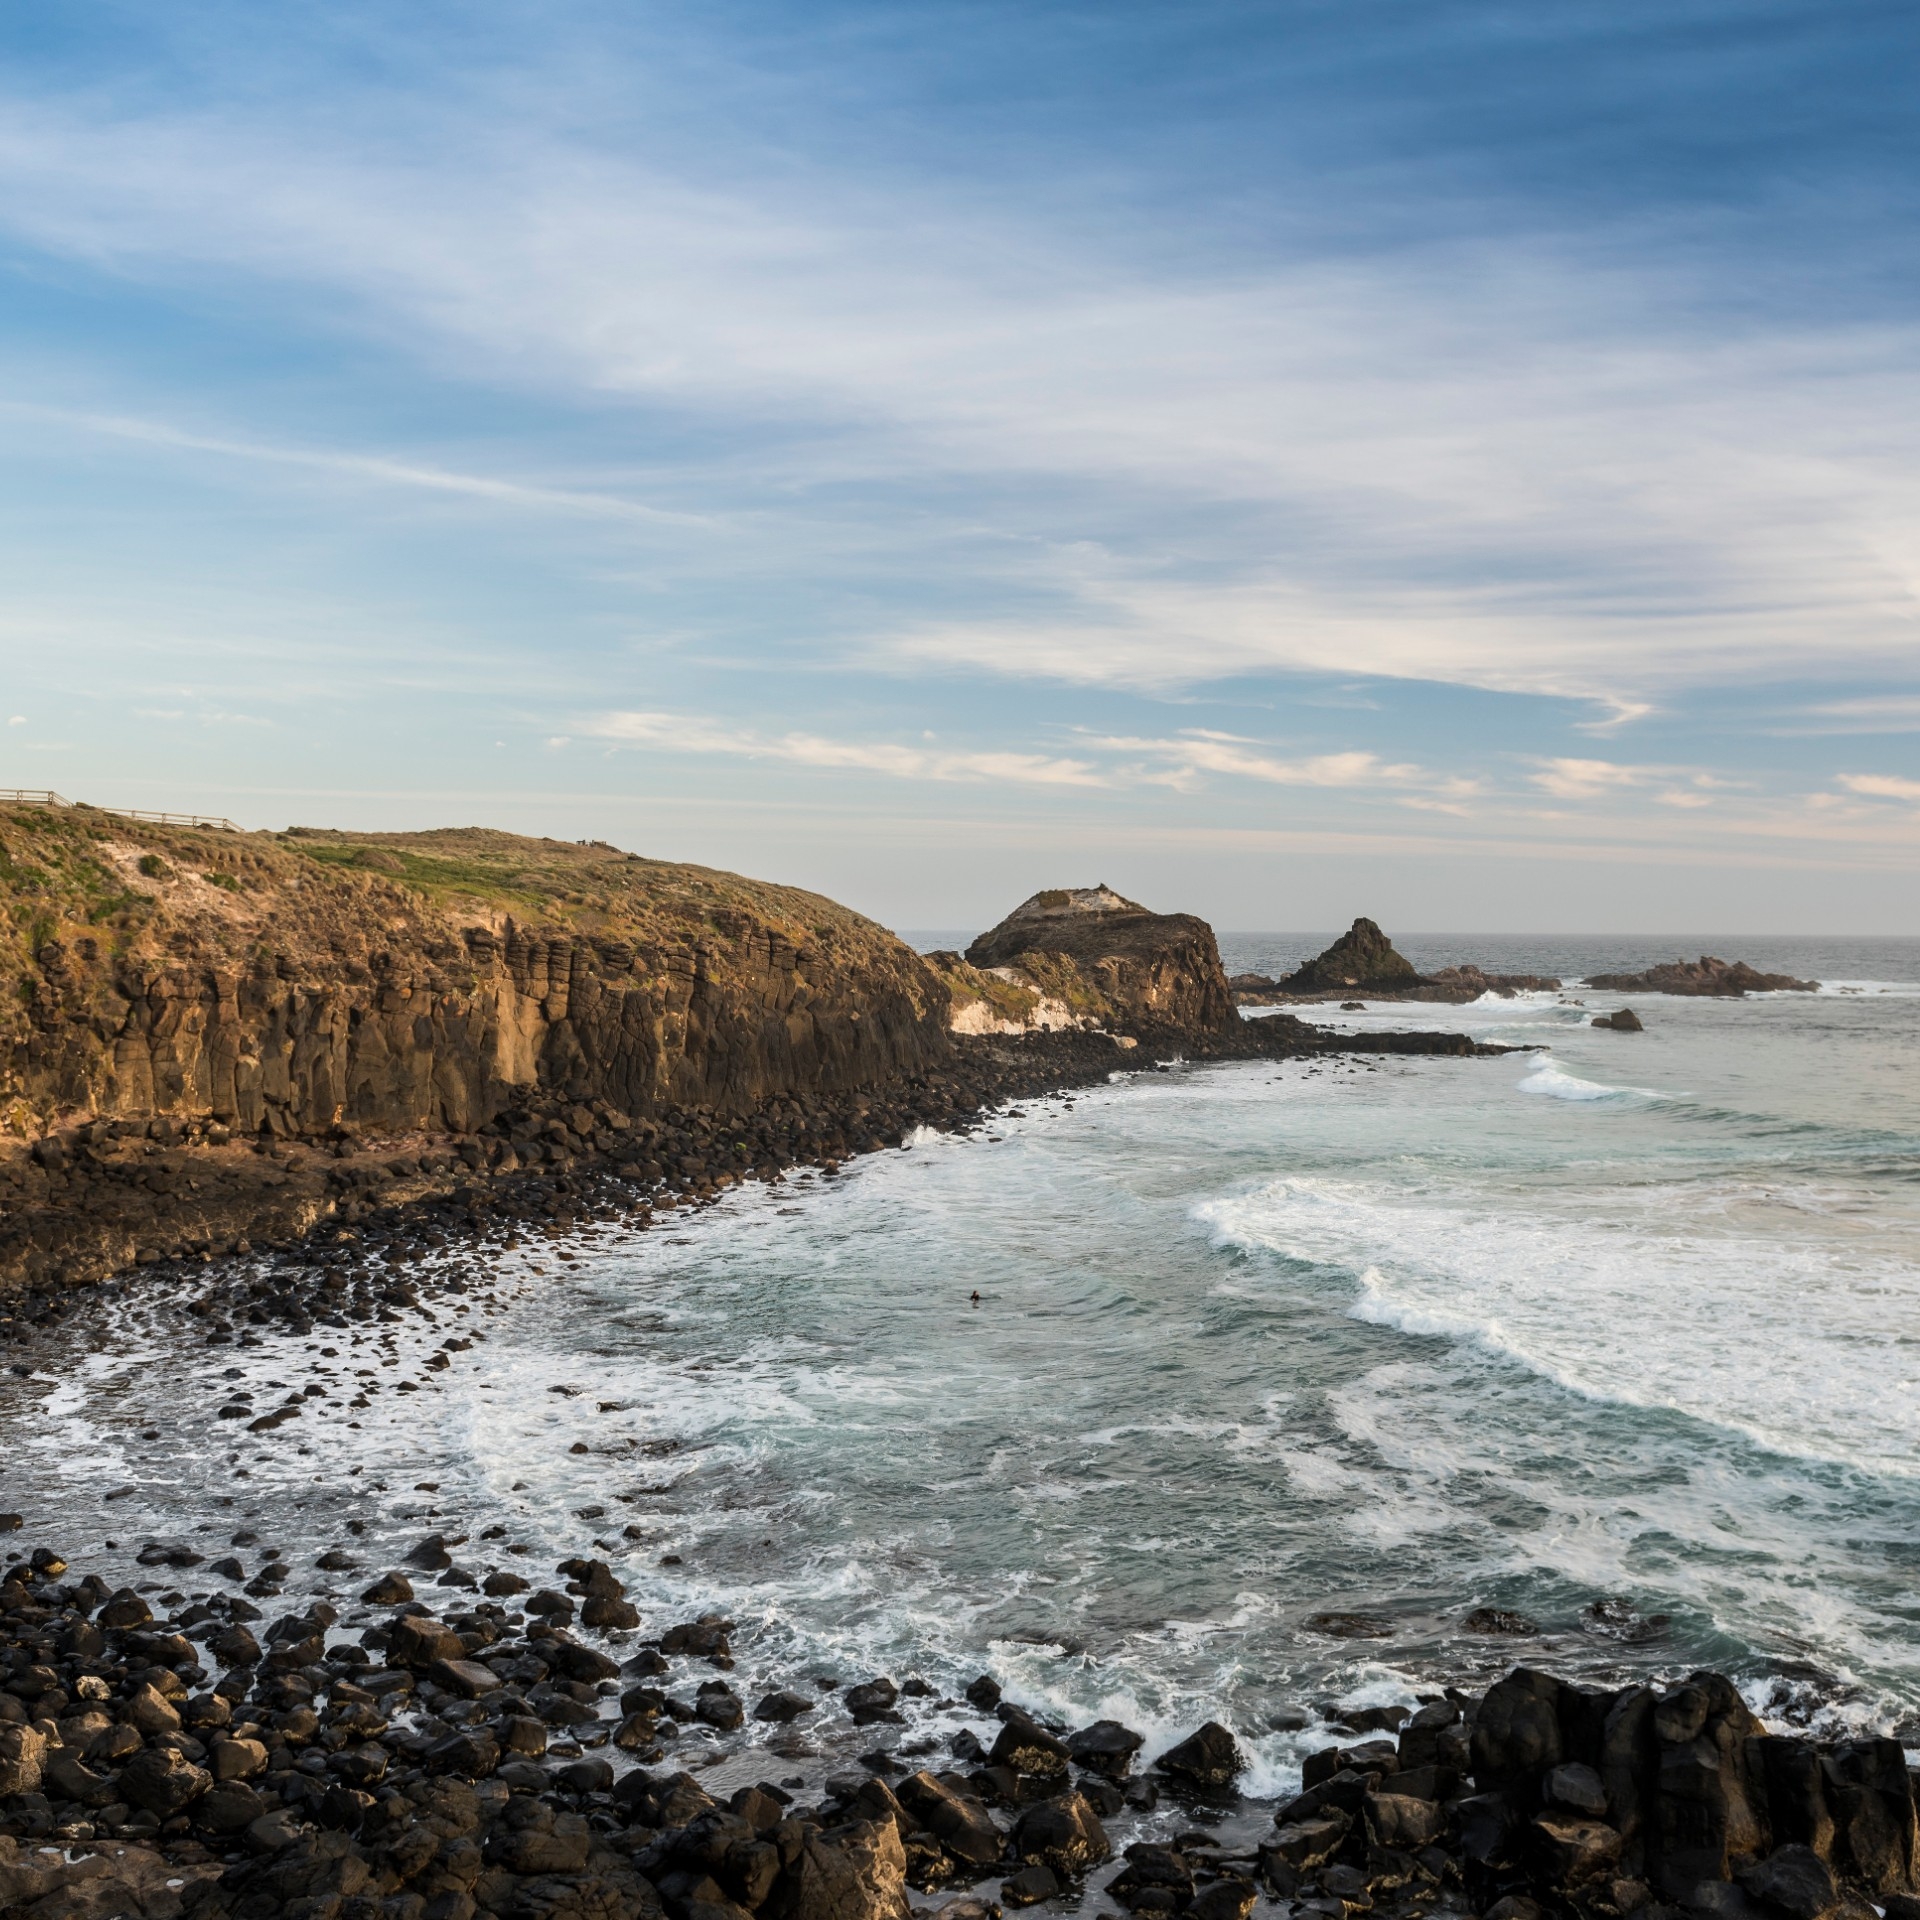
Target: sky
point(1456, 463)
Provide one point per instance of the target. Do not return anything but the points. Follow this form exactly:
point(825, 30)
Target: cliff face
point(1088, 956)
point(313, 983)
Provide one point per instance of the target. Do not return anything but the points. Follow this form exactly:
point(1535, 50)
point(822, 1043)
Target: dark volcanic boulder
point(1064, 1834)
point(1363, 956)
point(1517, 1735)
point(1109, 958)
point(858, 1874)
point(1105, 1748)
point(1207, 1758)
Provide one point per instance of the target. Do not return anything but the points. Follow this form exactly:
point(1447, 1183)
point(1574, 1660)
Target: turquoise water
point(1620, 1337)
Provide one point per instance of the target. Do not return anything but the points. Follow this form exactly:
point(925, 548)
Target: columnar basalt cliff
point(169, 996)
point(308, 984)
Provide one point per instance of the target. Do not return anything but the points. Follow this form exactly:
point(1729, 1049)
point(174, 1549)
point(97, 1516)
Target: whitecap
point(1557, 1083)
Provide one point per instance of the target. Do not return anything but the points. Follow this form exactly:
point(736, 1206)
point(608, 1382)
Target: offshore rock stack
point(1363, 960)
point(403, 1765)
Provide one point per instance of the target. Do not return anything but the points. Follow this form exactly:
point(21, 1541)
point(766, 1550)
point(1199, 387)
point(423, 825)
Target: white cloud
point(1881, 786)
point(678, 733)
point(1583, 779)
point(1505, 466)
point(1107, 761)
point(1202, 751)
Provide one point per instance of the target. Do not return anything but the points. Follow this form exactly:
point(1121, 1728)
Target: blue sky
point(1456, 463)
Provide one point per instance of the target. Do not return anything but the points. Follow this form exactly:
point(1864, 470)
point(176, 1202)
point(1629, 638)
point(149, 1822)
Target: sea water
point(1229, 1391)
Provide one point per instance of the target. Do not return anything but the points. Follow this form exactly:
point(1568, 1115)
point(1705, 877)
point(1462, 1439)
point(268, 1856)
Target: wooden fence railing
point(46, 797)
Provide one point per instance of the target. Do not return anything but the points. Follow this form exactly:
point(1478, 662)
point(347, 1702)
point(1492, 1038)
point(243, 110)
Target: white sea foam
point(1651, 1306)
point(1556, 1083)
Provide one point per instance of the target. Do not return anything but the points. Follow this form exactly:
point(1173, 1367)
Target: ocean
point(1286, 1386)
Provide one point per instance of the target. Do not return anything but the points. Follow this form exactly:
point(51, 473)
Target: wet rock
point(1711, 1791)
point(23, 1754)
point(958, 1821)
point(1621, 1020)
point(417, 1640)
point(389, 1590)
point(466, 1679)
point(162, 1781)
point(1227, 1899)
point(1497, 1621)
point(719, 1706)
point(1029, 1887)
point(1205, 1758)
point(1156, 1879)
point(701, 1639)
point(872, 1700)
point(1106, 1748)
point(1311, 1842)
point(1028, 1748)
point(983, 1692)
point(1397, 1820)
point(1795, 1881)
point(1516, 1735)
point(1572, 1851)
point(1576, 1788)
point(782, 1706)
point(1873, 1810)
point(858, 1874)
point(1064, 1834)
point(574, 1662)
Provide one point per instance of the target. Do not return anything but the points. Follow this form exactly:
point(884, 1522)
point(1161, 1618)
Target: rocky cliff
point(170, 998)
point(314, 983)
point(1087, 956)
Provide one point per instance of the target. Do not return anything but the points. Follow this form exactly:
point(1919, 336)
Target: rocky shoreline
point(509, 1754)
point(110, 1195)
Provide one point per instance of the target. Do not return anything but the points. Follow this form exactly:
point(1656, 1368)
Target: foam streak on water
point(1256, 1344)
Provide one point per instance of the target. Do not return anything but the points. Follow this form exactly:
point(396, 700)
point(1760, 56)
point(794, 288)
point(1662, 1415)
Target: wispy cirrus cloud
point(681, 733)
point(1110, 761)
point(1468, 459)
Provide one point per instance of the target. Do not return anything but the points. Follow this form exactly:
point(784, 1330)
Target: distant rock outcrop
point(1625, 1020)
point(1705, 976)
point(1363, 957)
point(1090, 957)
point(1364, 960)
